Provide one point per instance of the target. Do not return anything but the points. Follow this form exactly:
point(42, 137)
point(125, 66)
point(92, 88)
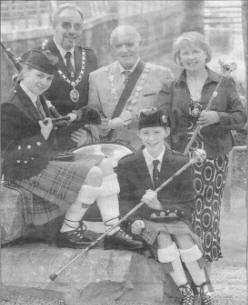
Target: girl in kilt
point(164, 222)
point(185, 103)
point(30, 143)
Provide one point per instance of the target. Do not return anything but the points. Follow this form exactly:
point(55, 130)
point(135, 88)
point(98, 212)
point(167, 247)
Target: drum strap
point(130, 84)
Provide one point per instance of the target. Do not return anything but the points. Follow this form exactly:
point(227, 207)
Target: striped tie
point(155, 173)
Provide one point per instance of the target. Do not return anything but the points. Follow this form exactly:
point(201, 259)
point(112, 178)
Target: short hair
point(125, 28)
point(63, 7)
point(194, 38)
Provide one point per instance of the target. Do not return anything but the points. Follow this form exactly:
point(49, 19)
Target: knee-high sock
point(171, 255)
point(190, 257)
point(86, 196)
point(108, 202)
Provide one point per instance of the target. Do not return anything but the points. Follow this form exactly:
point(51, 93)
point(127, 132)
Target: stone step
point(101, 277)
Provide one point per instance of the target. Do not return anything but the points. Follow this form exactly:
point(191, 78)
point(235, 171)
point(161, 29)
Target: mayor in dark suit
point(69, 89)
point(164, 221)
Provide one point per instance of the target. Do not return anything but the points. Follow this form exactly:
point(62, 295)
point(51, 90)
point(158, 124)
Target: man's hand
point(105, 129)
point(46, 127)
point(81, 137)
point(151, 200)
point(137, 226)
point(208, 118)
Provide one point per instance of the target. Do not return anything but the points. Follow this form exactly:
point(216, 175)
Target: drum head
point(113, 151)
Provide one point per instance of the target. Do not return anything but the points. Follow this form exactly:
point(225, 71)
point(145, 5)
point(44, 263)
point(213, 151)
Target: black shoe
point(205, 296)
point(78, 238)
point(187, 295)
point(122, 241)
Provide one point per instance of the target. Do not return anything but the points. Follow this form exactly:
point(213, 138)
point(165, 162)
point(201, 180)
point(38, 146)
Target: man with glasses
point(69, 89)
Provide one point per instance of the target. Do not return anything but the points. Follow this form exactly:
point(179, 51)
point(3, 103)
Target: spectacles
point(68, 26)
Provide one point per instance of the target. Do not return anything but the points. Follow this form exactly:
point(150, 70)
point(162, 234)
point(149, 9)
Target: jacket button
point(18, 161)
point(28, 146)
point(38, 143)
point(19, 147)
point(25, 162)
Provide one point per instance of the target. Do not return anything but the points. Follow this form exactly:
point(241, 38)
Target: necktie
point(155, 173)
point(69, 65)
point(40, 109)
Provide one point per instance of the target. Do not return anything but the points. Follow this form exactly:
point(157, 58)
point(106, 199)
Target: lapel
point(144, 177)
point(78, 60)
point(61, 64)
point(26, 106)
point(118, 80)
point(165, 168)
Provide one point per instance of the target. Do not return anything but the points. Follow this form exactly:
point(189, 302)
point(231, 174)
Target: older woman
point(185, 102)
point(30, 143)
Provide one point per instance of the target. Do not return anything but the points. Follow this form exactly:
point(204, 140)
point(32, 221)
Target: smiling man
point(122, 88)
point(69, 89)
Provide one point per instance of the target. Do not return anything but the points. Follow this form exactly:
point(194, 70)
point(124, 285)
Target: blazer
point(24, 150)
point(134, 180)
point(102, 98)
point(59, 91)
point(217, 137)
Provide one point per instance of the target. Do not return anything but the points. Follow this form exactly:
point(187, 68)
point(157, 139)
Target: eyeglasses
point(68, 26)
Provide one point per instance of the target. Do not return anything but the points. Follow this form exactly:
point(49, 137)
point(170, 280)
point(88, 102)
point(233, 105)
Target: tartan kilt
point(54, 189)
point(176, 227)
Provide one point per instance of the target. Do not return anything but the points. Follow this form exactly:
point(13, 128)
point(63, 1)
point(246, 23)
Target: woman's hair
point(191, 38)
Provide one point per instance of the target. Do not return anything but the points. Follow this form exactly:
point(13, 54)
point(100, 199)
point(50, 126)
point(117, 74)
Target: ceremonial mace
point(198, 156)
point(226, 70)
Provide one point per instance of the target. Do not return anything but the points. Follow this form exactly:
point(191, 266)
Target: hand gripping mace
point(226, 70)
point(198, 156)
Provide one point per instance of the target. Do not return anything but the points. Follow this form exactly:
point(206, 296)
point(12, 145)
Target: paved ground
point(228, 275)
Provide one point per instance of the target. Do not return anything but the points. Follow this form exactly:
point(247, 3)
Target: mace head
point(227, 68)
point(199, 155)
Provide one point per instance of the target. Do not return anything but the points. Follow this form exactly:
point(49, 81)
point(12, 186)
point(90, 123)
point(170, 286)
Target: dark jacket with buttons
point(217, 137)
point(59, 91)
point(134, 180)
point(24, 150)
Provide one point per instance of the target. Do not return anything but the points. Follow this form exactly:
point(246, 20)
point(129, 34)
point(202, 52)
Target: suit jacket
point(59, 91)
point(217, 137)
point(101, 96)
point(24, 150)
point(134, 180)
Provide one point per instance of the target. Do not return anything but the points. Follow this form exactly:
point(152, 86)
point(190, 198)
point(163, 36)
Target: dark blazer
point(24, 150)
point(134, 180)
point(217, 137)
point(59, 91)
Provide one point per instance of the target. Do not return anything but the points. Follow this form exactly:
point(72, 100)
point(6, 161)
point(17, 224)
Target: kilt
point(54, 189)
point(174, 228)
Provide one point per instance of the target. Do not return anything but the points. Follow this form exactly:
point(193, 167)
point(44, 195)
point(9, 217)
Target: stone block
point(12, 221)
point(96, 278)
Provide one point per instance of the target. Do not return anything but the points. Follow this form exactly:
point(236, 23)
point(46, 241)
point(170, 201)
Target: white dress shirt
point(149, 160)
point(63, 53)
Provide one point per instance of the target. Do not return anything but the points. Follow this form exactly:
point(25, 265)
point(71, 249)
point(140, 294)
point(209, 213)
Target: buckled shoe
point(77, 238)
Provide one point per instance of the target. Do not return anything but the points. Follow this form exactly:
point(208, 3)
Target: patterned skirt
point(209, 183)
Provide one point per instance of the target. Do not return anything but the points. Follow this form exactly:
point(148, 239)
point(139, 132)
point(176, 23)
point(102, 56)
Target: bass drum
point(114, 151)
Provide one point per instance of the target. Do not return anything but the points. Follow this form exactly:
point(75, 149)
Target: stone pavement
point(102, 277)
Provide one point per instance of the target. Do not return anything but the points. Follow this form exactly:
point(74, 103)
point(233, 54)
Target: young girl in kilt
point(30, 143)
point(164, 222)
